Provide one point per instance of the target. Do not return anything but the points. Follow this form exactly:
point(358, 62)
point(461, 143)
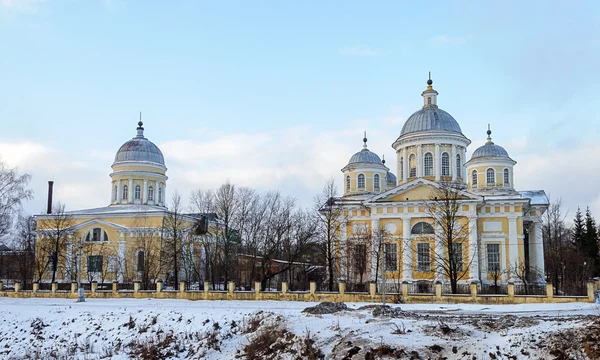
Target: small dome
point(140, 149)
point(490, 150)
point(430, 118)
point(364, 156)
point(391, 178)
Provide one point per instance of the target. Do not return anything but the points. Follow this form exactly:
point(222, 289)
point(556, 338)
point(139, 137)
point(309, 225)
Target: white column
point(440, 272)
point(130, 191)
point(145, 197)
point(118, 191)
point(513, 246)
point(374, 247)
point(463, 159)
point(405, 177)
point(121, 261)
point(419, 161)
point(165, 194)
point(453, 164)
point(438, 163)
point(156, 192)
point(406, 250)
point(344, 261)
point(538, 242)
point(68, 260)
point(473, 249)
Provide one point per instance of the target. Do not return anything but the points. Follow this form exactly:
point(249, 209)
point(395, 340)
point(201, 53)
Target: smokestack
point(50, 186)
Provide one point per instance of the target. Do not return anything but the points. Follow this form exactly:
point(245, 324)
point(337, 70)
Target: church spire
point(365, 142)
point(140, 128)
point(489, 135)
point(429, 95)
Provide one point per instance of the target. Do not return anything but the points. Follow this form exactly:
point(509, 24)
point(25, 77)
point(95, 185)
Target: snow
point(107, 328)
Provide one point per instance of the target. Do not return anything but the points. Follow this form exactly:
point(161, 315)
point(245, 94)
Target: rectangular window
point(423, 257)
point(94, 263)
point(359, 258)
point(390, 251)
point(140, 261)
point(457, 256)
point(112, 263)
point(493, 257)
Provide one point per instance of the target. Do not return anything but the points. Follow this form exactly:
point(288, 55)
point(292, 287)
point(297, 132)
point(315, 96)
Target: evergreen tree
point(591, 240)
point(579, 230)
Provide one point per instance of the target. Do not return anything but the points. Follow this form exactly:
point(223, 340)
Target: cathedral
point(400, 219)
point(121, 241)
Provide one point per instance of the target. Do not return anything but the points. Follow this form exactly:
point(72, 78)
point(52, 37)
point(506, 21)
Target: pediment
point(417, 190)
point(97, 222)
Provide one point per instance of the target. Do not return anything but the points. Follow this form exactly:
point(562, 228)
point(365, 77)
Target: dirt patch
point(386, 310)
point(326, 308)
point(574, 343)
point(445, 331)
point(503, 323)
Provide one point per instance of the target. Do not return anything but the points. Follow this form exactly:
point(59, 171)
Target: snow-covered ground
point(150, 328)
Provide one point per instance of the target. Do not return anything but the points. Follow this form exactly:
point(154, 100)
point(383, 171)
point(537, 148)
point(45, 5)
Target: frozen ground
point(155, 329)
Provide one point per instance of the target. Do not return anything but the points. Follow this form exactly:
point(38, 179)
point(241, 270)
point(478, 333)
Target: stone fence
point(312, 295)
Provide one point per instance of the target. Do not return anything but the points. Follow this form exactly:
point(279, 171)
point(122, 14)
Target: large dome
point(430, 118)
point(140, 149)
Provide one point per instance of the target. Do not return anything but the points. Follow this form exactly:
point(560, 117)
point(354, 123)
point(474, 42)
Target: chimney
point(50, 186)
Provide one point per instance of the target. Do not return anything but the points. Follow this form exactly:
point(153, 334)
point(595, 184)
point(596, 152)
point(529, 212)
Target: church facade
point(441, 206)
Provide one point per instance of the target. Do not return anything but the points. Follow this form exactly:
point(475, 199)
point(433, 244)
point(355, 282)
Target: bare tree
point(25, 248)
point(524, 274)
point(172, 237)
point(451, 232)
point(13, 191)
point(330, 218)
point(56, 232)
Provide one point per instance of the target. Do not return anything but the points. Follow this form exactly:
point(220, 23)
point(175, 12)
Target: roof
point(430, 118)
point(490, 150)
point(537, 197)
point(140, 149)
point(391, 178)
point(4, 248)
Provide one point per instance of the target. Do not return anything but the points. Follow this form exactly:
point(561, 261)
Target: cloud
point(446, 40)
point(363, 51)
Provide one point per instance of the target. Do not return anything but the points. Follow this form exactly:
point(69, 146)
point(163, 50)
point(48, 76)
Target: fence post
point(231, 288)
point(73, 287)
point(474, 290)
point(313, 287)
point(372, 289)
point(405, 289)
point(115, 287)
point(549, 291)
point(35, 287)
point(17, 286)
point(182, 286)
point(159, 286)
point(54, 287)
point(284, 287)
point(1, 285)
point(342, 290)
point(94, 287)
point(438, 290)
point(511, 289)
point(136, 286)
point(597, 285)
point(590, 291)
point(206, 289)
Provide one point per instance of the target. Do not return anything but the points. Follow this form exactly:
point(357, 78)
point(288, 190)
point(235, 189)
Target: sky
point(276, 95)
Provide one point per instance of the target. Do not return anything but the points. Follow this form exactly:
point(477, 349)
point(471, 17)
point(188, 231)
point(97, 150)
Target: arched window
point(140, 261)
point(137, 192)
point(506, 178)
point(490, 176)
point(445, 164)
point(347, 182)
point(412, 164)
point(160, 194)
point(361, 181)
point(428, 164)
point(474, 178)
point(125, 192)
point(96, 234)
point(458, 166)
point(150, 193)
point(115, 193)
point(422, 228)
point(376, 182)
point(401, 168)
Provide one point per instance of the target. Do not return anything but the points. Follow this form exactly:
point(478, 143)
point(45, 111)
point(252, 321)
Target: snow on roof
point(537, 197)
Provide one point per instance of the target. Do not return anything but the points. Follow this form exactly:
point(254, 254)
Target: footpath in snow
point(181, 329)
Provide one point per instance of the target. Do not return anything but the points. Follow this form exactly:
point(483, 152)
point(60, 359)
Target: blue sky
point(276, 94)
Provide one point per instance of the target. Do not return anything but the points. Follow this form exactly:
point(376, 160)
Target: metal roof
point(391, 178)
point(365, 156)
point(537, 197)
point(140, 149)
point(490, 150)
point(430, 118)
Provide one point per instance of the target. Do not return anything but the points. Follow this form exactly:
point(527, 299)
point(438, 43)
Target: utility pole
point(80, 296)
